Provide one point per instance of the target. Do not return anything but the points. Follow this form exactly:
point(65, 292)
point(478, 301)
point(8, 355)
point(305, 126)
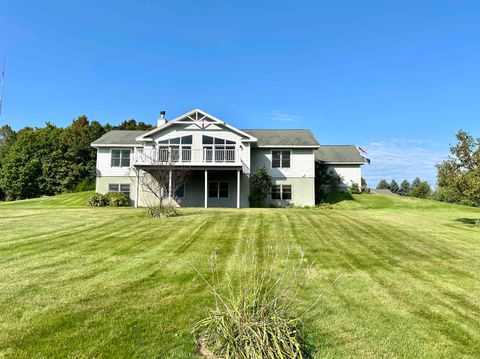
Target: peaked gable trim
point(202, 121)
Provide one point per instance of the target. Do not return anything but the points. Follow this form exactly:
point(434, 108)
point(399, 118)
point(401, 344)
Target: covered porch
point(204, 187)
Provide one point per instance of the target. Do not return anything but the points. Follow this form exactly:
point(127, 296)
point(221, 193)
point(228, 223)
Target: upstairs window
point(280, 159)
point(282, 192)
point(120, 158)
point(175, 149)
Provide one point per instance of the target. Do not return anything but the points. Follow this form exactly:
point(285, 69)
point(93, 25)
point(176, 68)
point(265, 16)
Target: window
point(218, 189)
point(178, 189)
point(123, 188)
point(283, 192)
point(276, 192)
point(218, 149)
point(120, 158)
point(175, 149)
point(281, 159)
point(286, 191)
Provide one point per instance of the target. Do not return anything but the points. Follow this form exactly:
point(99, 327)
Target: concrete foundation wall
point(303, 191)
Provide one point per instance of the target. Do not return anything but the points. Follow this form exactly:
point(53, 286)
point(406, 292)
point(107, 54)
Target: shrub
point(254, 315)
point(97, 200)
point(261, 183)
point(353, 189)
point(117, 199)
point(162, 210)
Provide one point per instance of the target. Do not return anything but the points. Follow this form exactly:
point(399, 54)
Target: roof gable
point(196, 118)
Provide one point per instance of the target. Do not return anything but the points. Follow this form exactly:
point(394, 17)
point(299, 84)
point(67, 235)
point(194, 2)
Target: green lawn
point(108, 282)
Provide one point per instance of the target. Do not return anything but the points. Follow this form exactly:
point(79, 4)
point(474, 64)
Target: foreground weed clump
point(255, 316)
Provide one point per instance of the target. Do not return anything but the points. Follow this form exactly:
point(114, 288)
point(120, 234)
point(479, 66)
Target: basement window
point(218, 189)
point(281, 192)
point(119, 187)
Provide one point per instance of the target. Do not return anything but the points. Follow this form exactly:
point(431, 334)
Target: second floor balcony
point(187, 156)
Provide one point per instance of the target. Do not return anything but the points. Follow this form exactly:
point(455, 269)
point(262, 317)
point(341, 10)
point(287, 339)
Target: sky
point(398, 78)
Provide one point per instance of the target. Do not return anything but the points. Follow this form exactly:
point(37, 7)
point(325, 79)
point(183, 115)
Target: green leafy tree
point(458, 177)
point(130, 125)
point(416, 182)
point(79, 156)
point(421, 190)
point(405, 188)
point(24, 170)
point(261, 184)
point(383, 184)
point(394, 186)
point(7, 137)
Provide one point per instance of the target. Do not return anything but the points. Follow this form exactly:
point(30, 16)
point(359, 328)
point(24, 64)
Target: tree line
point(418, 188)
point(458, 176)
point(52, 160)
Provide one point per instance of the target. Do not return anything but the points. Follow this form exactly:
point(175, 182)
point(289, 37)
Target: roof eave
point(96, 145)
point(289, 146)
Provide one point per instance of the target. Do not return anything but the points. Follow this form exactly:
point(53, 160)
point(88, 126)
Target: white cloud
point(283, 117)
point(401, 158)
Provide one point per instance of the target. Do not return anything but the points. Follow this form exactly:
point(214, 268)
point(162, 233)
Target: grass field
point(109, 282)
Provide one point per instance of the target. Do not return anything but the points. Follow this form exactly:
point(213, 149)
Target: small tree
point(325, 180)
point(404, 188)
point(261, 183)
point(394, 186)
point(383, 184)
point(157, 177)
point(364, 184)
point(421, 190)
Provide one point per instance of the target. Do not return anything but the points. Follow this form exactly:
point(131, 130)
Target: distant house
point(220, 159)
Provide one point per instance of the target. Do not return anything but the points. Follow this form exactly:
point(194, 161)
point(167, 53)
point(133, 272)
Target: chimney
point(161, 120)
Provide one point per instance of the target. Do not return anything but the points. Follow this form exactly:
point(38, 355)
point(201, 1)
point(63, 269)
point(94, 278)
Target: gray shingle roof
point(284, 137)
point(119, 137)
point(265, 138)
point(339, 154)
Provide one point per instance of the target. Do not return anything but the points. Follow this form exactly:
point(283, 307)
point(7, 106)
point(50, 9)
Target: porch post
point(170, 184)
point(206, 189)
point(238, 188)
point(136, 188)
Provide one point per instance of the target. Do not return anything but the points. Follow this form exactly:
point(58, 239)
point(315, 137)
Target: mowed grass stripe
point(107, 282)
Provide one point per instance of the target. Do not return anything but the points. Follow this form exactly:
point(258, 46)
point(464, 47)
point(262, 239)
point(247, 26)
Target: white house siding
point(300, 175)
point(302, 163)
point(104, 158)
point(349, 173)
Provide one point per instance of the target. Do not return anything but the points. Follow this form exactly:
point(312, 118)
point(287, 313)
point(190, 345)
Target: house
point(343, 160)
point(219, 160)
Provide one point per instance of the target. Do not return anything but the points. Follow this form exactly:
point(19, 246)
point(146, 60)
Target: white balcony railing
point(187, 156)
